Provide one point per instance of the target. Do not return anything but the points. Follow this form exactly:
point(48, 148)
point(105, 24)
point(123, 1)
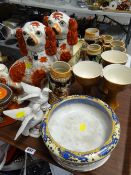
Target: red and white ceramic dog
point(65, 29)
point(37, 44)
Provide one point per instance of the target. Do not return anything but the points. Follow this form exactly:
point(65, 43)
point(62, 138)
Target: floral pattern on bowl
point(82, 157)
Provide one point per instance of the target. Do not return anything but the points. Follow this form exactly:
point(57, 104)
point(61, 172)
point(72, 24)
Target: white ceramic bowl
point(87, 73)
point(117, 74)
point(114, 57)
point(87, 69)
point(80, 132)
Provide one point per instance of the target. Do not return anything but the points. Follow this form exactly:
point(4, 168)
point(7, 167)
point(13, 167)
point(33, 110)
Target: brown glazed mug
point(120, 48)
point(60, 78)
point(91, 35)
point(93, 50)
point(106, 47)
point(119, 43)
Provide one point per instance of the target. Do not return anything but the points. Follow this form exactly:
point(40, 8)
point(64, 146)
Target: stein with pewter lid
point(118, 45)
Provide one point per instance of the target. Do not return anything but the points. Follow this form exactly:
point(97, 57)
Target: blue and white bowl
point(80, 132)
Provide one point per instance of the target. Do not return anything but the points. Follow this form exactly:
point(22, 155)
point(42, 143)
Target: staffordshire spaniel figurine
point(37, 44)
point(65, 29)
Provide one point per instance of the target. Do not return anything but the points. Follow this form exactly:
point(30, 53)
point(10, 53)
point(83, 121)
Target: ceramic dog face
point(37, 44)
point(63, 26)
point(34, 36)
point(59, 22)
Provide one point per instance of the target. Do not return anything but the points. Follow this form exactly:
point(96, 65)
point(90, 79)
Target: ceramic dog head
point(63, 26)
point(36, 37)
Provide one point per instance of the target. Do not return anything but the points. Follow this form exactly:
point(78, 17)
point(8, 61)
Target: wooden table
point(120, 160)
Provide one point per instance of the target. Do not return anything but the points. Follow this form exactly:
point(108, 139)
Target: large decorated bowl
point(80, 132)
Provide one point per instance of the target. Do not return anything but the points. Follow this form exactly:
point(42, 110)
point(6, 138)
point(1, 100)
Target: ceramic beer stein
point(60, 78)
point(120, 48)
point(91, 35)
point(93, 51)
point(107, 39)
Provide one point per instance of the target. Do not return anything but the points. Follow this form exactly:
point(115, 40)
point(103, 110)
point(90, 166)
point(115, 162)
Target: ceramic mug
point(106, 47)
point(107, 39)
point(120, 48)
point(93, 50)
point(88, 75)
point(119, 43)
point(60, 78)
point(91, 35)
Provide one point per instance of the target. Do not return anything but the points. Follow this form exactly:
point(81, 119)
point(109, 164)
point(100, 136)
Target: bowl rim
point(82, 157)
point(114, 66)
point(84, 78)
point(92, 30)
point(117, 51)
point(118, 41)
point(63, 62)
point(107, 36)
point(121, 47)
point(96, 49)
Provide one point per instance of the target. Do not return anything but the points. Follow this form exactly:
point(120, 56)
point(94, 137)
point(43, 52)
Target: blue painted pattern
point(89, 157)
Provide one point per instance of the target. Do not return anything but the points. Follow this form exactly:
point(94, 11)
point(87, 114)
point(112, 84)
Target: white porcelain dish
point(80, 132)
